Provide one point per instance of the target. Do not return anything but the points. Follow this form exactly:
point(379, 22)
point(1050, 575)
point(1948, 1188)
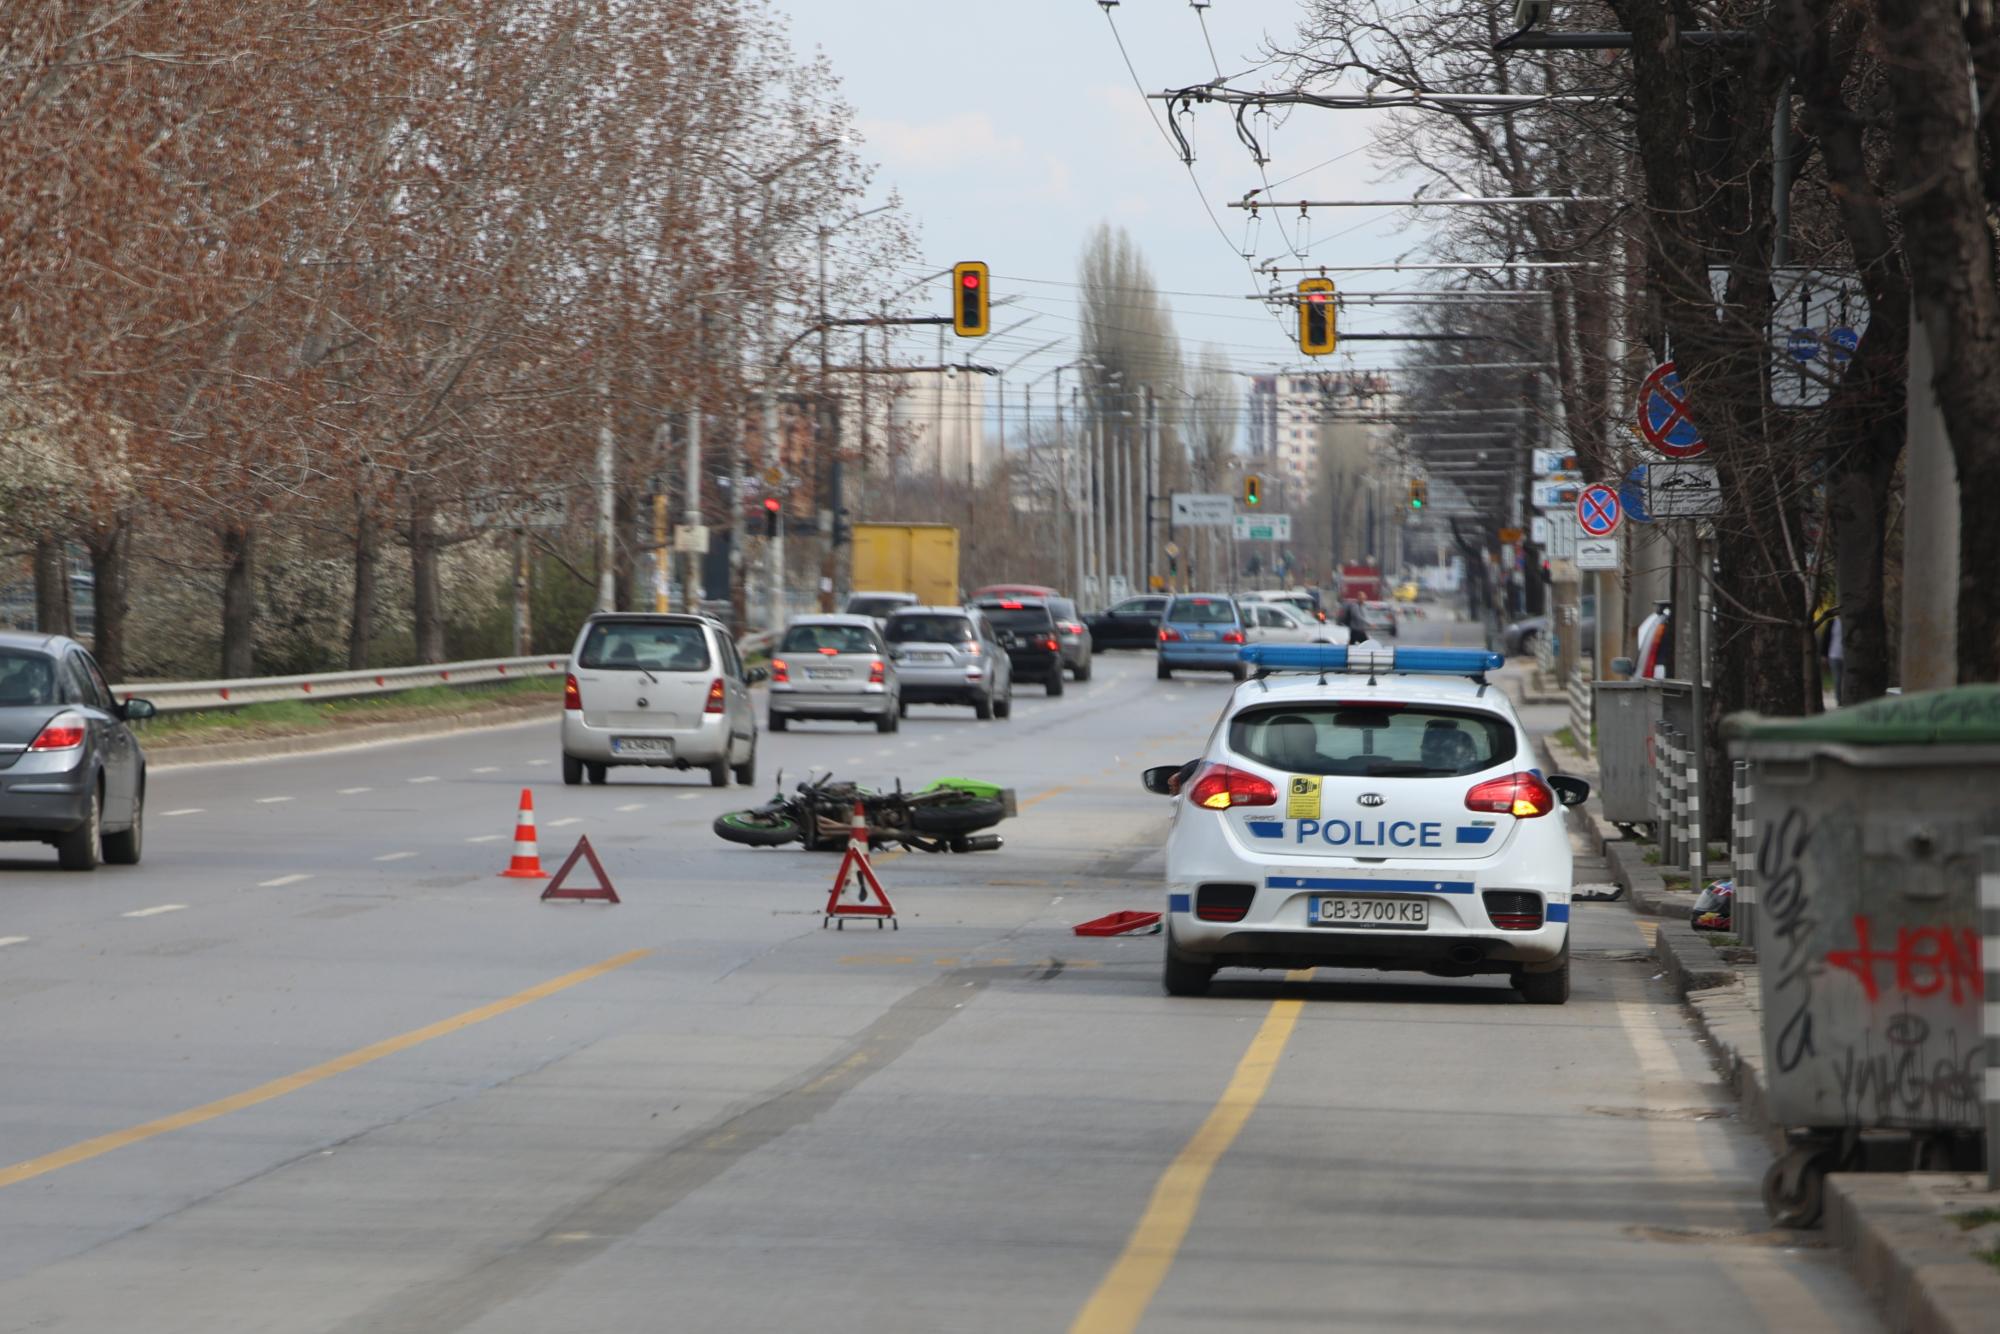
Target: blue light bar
point(1338, 658)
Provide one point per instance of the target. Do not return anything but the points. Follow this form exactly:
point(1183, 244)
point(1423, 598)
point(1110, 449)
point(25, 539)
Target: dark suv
point(1027, 630)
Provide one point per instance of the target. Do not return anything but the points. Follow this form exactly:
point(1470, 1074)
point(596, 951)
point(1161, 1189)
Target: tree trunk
point(361, 618)
point(239, 604)
point(54, 614)
point(1927, 63)
point(427, 593)
point(634, 576)
point(111, 568)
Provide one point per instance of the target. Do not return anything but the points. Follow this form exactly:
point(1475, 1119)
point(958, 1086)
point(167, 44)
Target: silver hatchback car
point(951, 655)
point(659, 690)
point(833, 667)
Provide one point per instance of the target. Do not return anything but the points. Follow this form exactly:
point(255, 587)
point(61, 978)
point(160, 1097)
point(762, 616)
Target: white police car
point(1369, 808)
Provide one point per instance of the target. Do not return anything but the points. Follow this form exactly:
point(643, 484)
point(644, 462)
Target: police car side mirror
point(1570, 791)
point(1160, 778)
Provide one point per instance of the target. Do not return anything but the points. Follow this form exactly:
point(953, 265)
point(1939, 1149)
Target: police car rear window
point(1365, 739)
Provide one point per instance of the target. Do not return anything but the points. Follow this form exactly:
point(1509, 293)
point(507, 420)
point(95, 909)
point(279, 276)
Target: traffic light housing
point(970, 304)
point(1420, 492)
point(772, 508)
point(1253, 490)
point(1317, 334)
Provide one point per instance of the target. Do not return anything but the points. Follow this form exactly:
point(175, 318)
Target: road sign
point(1554, 495)
point(1632, 495)
point(1802, 344)
point(691, 541)
point(1597, 553)
point(1813, 329)
point(1553, 462)
point(1597, 510)
point(1201, 509)
point(1842, 342)
point(540, 506)
point(1663, 415)
point(1562, 535)
point(1173, 548)
point(1263, 527)
point(1538, 531)
point(1510, 536)
point(1683, 490)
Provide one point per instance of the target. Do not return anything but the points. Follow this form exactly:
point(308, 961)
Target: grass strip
point(293, 717)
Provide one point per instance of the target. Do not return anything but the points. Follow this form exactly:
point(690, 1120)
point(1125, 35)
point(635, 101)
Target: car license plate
point(1372, 912)
point(827, 673)
point(642, 745)
point(930, 657)
point(1202, 634)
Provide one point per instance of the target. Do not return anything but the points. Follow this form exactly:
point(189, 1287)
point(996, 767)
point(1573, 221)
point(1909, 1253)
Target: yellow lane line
point(85, 1150)
point(1127, 1290)
point(1041, 796)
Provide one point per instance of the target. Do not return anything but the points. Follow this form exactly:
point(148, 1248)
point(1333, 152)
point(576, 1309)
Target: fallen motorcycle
point(943, 817)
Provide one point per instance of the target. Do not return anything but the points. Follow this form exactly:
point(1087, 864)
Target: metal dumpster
point(1869, 829)
point(1626, 712)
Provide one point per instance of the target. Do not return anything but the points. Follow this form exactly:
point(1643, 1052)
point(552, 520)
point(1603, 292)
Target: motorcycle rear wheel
point(956, 817)
point(756, 829)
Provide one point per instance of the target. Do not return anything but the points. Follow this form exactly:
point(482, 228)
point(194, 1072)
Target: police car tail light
point(1169, 636)
point(1223, 903)
point(1219, 787)
point(1514, 909)
point(1522, 796)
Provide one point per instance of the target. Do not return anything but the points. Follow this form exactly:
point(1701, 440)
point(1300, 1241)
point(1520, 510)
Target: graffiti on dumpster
point(1784, 907)
point(1926, 961)
point(1904, 1080)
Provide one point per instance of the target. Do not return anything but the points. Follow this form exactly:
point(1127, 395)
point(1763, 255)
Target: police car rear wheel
point(1184, 975)
point(1550, 988)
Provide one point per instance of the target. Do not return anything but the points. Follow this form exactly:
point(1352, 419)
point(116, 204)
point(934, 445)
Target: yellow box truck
point(918, 558)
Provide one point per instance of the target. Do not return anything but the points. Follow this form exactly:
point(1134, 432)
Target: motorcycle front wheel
point(757, 829)
point(955, 817)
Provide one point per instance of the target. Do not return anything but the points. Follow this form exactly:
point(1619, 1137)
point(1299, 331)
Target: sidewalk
point(1913, 1239)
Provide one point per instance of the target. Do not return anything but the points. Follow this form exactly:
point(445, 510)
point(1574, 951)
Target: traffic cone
point(857, 833)
point(527, 862)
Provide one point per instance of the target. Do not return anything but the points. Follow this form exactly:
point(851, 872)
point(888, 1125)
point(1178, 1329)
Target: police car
point(1369, 808)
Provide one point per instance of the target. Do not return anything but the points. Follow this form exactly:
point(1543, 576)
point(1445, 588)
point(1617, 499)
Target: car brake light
point(1071, 628)
point(714, 704)
point(831, 652)
point(572, 697)
point(62, 732)
point(1232, 636)
point(1052, 644)
point(1521, 795)
point(972, 650)
point(1010, 606)
point(875, 670)
point(1168, 636)
point(780, 674)
point(1220, 786)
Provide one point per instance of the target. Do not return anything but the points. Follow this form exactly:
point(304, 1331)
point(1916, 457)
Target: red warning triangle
point(857, 893)
point(602, 890)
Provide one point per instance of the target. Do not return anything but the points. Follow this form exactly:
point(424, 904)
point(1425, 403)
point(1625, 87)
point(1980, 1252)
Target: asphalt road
point(315, 1067)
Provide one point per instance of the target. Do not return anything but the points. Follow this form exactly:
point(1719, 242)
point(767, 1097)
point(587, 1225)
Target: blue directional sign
point(1632, 495)
point(1844, 340)
point(1803, 344)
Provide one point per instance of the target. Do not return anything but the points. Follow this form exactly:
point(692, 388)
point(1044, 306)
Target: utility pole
point(1151, 427)
point(776, 553)
point(607, 459)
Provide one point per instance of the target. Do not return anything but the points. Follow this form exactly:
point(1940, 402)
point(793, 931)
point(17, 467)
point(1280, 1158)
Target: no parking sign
point(1598, 510)
point(1663, 415)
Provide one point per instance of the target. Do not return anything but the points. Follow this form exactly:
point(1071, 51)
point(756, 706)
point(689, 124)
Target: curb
point(1914, 1262)
point(347, 738)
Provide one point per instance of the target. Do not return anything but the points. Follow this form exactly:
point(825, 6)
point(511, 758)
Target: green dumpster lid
point(1962, 715)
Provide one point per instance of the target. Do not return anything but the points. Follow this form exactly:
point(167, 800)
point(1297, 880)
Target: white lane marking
point(271, 801)
point(427, 778)
point(536, 762)
point(567, 819)
point(13, 940)
point(395, 856)
point(885, 751)
point(852, 759)
point(154, 912)
point(282, 880)
point(485, 838)
point(186, 810)
point(352, 791)
point(635, 806)
point(487, 769)
point(687, 796)
point(909, 745)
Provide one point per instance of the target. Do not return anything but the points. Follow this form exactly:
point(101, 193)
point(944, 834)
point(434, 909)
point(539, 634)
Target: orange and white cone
point(527, 862)
point(857, 833)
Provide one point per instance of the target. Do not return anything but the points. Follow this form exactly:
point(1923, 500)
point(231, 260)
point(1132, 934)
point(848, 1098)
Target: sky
point(1011, 128)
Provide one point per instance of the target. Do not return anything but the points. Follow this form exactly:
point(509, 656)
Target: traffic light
point(1420, 491)
point(772, 507)
point(1253, 490)
point(1317, 336)
point(969, 304)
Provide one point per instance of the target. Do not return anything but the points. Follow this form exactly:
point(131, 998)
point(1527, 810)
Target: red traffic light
point(771, 505)
point(970, 280)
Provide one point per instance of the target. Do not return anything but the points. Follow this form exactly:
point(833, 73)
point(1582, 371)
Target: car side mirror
point(132, 710)
point(1160, 778)
point(757, 674)
point(1570, 791)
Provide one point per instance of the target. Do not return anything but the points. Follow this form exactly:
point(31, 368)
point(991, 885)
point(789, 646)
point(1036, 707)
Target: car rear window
point(918, 628)
point(1371, 740)
point(874, 606)
point(631, 646)
point(26, 679)
point(839, 638)
point(1201, 611)
point(1020, 616)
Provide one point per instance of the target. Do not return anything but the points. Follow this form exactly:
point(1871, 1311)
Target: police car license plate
point(642, 745)
point(1373, 912)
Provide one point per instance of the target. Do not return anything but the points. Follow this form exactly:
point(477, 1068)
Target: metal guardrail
point(186, 696)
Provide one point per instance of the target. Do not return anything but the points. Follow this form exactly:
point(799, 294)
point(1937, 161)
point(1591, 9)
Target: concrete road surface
point(315, 1067)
